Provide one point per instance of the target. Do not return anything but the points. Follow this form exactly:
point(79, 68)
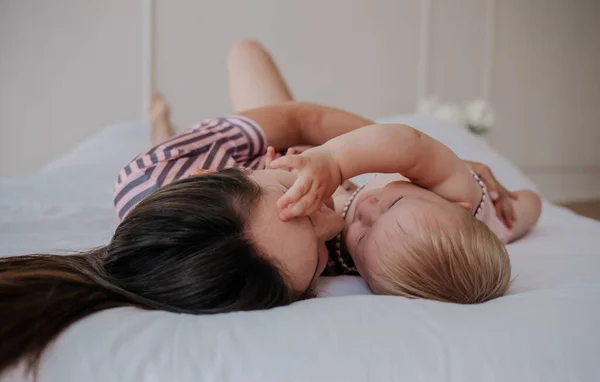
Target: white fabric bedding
point(545, 329)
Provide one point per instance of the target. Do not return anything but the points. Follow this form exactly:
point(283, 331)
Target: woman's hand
point(501, 197)
point(318, 177)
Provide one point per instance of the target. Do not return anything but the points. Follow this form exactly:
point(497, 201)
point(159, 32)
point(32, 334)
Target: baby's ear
point(466, 205)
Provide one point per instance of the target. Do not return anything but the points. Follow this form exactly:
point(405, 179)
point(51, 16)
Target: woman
point(201, 244)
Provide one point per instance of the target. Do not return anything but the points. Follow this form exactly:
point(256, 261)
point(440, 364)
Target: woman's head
point(215, 242)
point(188, 248)
point(205, 244)
point(408, 241)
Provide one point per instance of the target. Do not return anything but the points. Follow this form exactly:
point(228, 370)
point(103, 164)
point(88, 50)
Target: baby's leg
point(254, 80)
point(528, 208)
point(159, 117)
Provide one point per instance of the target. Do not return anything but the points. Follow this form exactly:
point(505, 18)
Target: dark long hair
point(185, 248)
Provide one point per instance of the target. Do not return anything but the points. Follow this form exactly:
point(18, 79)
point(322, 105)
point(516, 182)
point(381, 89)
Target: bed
point(545, 329)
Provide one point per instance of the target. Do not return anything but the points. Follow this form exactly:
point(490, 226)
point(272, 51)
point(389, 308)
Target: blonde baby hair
point(465, 263)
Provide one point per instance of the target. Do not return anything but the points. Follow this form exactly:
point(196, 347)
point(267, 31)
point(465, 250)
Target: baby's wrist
point(337, 163)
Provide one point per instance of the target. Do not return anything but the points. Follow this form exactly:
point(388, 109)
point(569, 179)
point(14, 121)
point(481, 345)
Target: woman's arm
point(301, 123)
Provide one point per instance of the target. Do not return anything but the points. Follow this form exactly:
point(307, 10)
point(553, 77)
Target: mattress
point(544, 329)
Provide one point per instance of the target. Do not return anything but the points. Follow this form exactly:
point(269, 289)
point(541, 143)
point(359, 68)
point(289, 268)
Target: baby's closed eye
point(361, 237)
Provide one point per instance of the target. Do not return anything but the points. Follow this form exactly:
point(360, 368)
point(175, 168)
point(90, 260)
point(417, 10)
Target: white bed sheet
point(545, 329)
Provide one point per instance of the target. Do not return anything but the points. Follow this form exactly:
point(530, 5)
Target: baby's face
point(386, 217)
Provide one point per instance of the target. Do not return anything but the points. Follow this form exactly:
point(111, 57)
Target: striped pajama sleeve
point(213, 144)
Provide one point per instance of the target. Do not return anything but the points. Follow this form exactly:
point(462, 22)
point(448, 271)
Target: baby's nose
point(368, 210)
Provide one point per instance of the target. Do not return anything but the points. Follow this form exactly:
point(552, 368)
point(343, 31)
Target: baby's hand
point(318, 178)
point(270, 157)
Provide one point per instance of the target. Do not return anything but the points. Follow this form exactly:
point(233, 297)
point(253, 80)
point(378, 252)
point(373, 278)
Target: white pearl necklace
point(338, 238)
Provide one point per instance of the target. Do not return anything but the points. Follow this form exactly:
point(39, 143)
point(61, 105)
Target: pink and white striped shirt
point(212, 144)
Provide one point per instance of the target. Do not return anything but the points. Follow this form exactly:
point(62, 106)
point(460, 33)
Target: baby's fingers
point(511, 210)
point(508, 219)
point(306, 205)
point(290, 151)
point(270, 156)
point(288, 162)
point(506, 213)
point(300, 187)
point(500, 215)
point(302, 207)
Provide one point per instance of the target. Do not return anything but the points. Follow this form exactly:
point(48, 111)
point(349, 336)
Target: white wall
point(69, 67)
point(360, 55)
point(546, 91)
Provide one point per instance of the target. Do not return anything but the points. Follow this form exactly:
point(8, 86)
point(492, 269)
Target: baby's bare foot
point(159, 116)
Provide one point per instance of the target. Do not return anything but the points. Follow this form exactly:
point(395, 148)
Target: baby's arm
point(393, 148)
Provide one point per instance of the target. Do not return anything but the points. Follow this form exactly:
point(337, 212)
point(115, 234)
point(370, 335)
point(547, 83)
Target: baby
point(424, 228)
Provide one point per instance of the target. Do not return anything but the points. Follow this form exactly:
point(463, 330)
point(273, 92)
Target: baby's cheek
point(352, 238)
point(367, 258)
